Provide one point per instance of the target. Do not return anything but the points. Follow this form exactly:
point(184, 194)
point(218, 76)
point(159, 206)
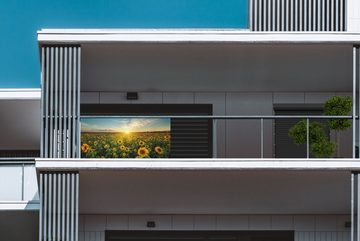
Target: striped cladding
point(191, 138)
point(298, 15)
point(59, 198)
point(60, 84)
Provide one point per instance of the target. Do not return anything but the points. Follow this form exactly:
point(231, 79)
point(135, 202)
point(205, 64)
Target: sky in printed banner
point(125, 125)
point(20, 19)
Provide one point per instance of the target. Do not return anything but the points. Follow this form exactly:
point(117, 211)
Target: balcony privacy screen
point(298, 15)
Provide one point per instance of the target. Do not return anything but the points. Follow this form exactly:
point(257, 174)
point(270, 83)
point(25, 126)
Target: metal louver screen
point(298, 15)
point(59, 206)
point(191, 138)
point(60, 101)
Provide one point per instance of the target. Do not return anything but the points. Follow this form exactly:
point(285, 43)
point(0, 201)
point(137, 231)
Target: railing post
point(307, 139)
point(214, 138)
point(355, 51)
point(352, 208)
point(262, 137)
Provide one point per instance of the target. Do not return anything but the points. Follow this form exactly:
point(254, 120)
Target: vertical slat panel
point(287, 22)
point(50, 206)
point(51, 107)
point(282, 15)
point(78, 102)
point(269, 10)
point(323, 23)
point(336, 15)
point(273, 15)
point(318, 13)
point(67, 207)
point(341, 16)
point(41, 204)
point(332, 15)
point(291, 15)
point(45, 197)
point(61, 117)
point(305, 8)
point(72, 213)
point(251, 15)
point(296, 9)
point(66, 109)
point(70, 99)
point(297, 15)
point(58, 236)
point(301, 15)
point(77, 208)
point(256, 15)
point(74, 104)
point(54, 207)
point(278, 14)
point(63, 207)
point(261, 25)
point(314, 17)
point(47, 114)
point(328, 28)
point(43, 81)
point(56, 119)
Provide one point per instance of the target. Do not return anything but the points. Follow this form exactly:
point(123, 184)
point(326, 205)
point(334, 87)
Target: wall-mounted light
point(151, 224)
point(132, 96)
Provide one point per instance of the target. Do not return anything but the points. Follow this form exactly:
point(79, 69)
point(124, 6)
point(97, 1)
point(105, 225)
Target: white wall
point(306, 227)
point(353, 11)
point(235, 138)
point(18, 184)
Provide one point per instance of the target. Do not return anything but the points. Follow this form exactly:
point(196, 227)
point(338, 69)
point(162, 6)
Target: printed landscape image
point(125, 137)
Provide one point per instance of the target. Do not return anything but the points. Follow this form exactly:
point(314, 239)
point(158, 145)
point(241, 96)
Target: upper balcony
point(225, 94)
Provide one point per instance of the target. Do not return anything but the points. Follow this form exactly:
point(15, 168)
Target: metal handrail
point(223, 116)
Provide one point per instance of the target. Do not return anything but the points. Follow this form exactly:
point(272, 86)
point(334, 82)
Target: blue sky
point(127, 125)
point(20, 19)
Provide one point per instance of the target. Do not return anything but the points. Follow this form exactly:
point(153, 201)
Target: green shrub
point(320, 145)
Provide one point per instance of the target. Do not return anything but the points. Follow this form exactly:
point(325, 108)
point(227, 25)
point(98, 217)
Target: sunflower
point(159, 150)
point(106, 146)
point(142, 152)
point(122, 147)
point(85, 148)
point(167, 137)
point(141, 143)
point(120, 142)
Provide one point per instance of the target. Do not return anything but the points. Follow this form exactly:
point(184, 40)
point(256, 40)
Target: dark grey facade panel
point(61, 101)
point(297, 15)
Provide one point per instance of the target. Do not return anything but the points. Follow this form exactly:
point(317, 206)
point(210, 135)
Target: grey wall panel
point(298, 15)
point(212, 68)
point(246, 133)
point(61, 101)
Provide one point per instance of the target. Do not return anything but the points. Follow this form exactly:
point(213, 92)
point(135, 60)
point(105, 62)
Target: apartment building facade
point(228, 169)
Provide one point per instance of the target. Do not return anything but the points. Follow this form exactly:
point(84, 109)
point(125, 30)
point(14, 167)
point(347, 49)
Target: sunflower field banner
point(116, 137)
